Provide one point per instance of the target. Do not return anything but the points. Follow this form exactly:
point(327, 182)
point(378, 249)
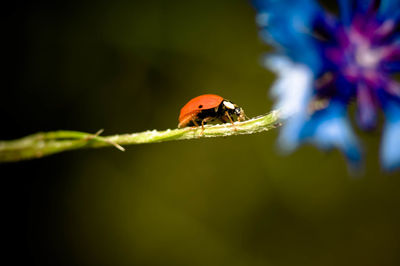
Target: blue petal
point(293, 88)
point(289, 24)
point(292, 91)
point(349, 7)
point(365, 5)
point(392, 67)
point(390, 147)
point(330, 128)
point(346, 10)
point(289, 137)
point(390, 9)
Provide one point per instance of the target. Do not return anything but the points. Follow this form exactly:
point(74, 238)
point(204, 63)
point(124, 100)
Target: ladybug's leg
point(230, 119)
point(194, 122)
point(205, 120)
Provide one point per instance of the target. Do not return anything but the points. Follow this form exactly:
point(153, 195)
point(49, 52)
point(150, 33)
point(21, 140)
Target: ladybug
point(209, 108)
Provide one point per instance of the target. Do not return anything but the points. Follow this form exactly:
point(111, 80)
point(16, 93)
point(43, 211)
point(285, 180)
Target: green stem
point(47, 143)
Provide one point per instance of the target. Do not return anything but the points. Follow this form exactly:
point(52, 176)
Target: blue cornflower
point(324, 62)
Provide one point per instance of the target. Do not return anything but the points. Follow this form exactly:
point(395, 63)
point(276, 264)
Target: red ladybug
point(207, 108)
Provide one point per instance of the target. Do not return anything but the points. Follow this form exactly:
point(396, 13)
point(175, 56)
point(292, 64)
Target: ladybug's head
point(235, 109)
point(240, 113)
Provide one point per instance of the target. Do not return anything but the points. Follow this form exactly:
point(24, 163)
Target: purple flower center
point(359, 55)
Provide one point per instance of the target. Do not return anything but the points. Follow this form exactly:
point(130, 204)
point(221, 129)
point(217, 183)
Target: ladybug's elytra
point(208, 108)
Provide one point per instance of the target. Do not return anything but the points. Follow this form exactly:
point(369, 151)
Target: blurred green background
point(129, 66)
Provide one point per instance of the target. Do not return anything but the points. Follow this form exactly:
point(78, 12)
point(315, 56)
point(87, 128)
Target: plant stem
point(47, 143)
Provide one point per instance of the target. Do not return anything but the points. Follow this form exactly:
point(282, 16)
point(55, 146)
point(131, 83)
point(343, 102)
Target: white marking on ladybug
point(229, 105)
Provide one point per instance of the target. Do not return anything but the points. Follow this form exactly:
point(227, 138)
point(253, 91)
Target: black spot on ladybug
point(200, 106)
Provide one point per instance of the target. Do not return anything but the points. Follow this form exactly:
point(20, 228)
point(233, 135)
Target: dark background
point(129, 66)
